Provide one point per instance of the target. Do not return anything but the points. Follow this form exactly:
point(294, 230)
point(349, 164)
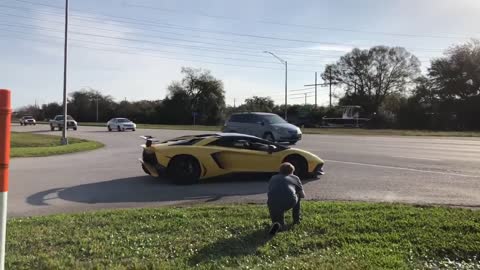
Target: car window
point(273, 119)
point(238, 118)
point(122, 120)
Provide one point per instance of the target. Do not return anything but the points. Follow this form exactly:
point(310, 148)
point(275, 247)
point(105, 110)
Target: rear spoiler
point(149, 140)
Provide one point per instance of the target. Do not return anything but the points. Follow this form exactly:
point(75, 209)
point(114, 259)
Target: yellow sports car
point(189, 159)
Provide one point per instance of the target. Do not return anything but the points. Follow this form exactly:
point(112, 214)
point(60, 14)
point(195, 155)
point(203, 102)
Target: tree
point(368, 76)
point(199, 94)
point(50, 110)
point(258, 104)
point(457, 75)
point(82, 105)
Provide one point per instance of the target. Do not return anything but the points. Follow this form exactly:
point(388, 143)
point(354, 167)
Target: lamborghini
point(190, 159)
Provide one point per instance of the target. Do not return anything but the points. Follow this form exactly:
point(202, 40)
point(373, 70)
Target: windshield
point(60, 117)
point(28, 117)
point(273, 119)
point(123, 120)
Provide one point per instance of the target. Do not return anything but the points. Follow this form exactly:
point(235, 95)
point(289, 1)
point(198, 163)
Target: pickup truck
point(27, 120)
point(57, 122)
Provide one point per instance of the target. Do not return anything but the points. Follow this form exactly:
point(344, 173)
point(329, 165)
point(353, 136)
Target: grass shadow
point(242, 245)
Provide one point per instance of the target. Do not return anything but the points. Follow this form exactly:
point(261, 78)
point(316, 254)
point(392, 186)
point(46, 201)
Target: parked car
point(191, 159)
point(57, 122)
point(27, 120)
point(268, 126)
point(121, 124)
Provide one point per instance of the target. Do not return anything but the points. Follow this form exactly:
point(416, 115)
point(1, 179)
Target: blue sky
point(133, 49)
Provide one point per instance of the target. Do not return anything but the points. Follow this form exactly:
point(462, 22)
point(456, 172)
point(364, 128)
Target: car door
point(236, 154)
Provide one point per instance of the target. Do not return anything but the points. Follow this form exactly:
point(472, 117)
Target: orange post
point(5, 121)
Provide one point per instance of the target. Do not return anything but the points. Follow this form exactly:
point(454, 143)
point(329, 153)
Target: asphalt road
point(361, 168)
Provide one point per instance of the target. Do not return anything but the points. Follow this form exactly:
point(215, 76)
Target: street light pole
point(286, 79)
point(64, 139)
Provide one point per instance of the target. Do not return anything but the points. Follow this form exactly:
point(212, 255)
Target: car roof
point(256, 113)
point(216, 135)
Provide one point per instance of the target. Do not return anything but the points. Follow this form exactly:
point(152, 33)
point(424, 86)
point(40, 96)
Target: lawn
point(333, 235)
point(25, 144)
point(325, 131)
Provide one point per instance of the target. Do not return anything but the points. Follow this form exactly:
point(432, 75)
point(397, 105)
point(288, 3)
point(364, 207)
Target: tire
point(74, 128)
point(109, 128)
point(133, 129)
point(145, 170)
point(118, 128)
point(184, 170)
point(300, 164)
point(292, 143)
point(21, 124)
point(52, 128)
point(269, 137)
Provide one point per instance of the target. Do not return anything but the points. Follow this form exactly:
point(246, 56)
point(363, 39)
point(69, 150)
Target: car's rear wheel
point(269, 137)
point(109, 128)
point(300, 164)
point(184, 170)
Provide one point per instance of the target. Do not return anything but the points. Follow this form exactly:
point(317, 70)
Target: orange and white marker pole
point(5, 120)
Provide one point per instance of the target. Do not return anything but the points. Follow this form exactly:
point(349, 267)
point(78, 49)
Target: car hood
point(286, 126)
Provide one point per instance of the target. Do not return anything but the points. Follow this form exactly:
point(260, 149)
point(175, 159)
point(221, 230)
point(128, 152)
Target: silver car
point(121, 124)
point(264, 125)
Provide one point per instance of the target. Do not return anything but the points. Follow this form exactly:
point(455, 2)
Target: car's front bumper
point(290, 138)
point(317, 171)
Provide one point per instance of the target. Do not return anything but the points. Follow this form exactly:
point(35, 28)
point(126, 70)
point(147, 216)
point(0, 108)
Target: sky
point(133, 49)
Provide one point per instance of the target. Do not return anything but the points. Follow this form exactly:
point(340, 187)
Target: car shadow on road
point(148, 189)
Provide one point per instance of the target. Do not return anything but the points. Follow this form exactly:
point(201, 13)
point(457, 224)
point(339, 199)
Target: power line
point(163, 57)
point(274, 23)
point(169, 25)
point(298, 25)
point(136, 48)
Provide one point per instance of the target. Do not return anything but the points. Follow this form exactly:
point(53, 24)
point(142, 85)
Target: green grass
point(25, 144)
point(326, 131)
point(333, 235)
point(389, 132)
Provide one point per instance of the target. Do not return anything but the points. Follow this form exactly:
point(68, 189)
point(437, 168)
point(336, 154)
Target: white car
point(121, 124)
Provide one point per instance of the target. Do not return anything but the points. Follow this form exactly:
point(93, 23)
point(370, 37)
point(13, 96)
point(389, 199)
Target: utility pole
point(97, 108)
point(330, 83)
point(64, 139)
point(234, 105)
point(286, 82)
point(316, 84)
point(306, 98)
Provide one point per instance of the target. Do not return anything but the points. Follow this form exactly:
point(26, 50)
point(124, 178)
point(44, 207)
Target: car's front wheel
point(109, 128)
point(52, 128)
point(184, 170)
point(300, 164)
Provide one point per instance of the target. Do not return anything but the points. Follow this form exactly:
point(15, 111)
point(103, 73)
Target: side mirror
point(271, 148)
point(261, 123)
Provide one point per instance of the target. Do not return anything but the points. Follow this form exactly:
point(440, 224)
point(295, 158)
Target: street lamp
point(64, 139)
point(286, 75)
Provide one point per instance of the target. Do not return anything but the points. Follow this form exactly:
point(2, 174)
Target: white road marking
point(402, 168)
point(430, 159)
